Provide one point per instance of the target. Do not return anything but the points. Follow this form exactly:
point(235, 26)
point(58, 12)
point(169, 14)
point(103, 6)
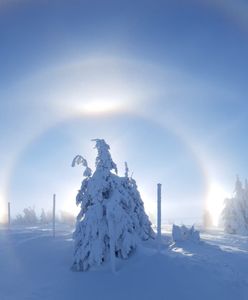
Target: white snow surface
point(35, 266)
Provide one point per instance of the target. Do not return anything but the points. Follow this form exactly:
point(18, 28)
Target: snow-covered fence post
point(159, 216)
point(9, 215)
point(54, 203)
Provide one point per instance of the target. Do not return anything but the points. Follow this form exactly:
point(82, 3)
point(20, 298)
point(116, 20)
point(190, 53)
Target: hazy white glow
point(69, 201)
point(97, 86)
point(70, 207)
point(100, 106)
point(150, 202)
point(3, 208)
point(215, 201)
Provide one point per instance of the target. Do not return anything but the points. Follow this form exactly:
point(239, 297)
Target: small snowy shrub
point(183, 233)
point(112, 219)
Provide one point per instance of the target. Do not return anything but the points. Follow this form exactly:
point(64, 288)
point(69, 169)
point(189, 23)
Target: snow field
point(35, 266)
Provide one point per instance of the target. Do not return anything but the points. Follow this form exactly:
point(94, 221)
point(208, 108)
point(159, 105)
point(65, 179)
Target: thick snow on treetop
point(112, 220)
point(103, 159)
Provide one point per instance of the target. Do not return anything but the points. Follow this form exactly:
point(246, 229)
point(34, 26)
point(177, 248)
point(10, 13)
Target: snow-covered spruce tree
point(235, 212)
point(112, 220)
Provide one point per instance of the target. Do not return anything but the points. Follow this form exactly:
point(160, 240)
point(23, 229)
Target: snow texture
point(183, 233)
point(112, 220)
point(34, 266)
point(235, 213)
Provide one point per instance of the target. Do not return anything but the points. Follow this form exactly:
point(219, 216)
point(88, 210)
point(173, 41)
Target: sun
point(215, 201)
point(3, 207)
point(101, 107)
point(69, 201)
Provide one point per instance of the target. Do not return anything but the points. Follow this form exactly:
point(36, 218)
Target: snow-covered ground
point(35, 266)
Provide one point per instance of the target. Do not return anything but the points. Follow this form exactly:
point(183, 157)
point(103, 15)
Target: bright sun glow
point(3, 209)
point(215, 201)
point(97, 105)
point(69, 202)
point(101, 107)
point(150, 206)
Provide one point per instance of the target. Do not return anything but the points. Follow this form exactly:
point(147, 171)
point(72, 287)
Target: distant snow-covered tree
point(28, 217)
point(112, 220)
point(43, 217)
point(46, 217)
point(18, 220)
point(235, 212)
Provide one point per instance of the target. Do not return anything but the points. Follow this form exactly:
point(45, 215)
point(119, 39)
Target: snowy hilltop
point(112, 220)
point(235, 213)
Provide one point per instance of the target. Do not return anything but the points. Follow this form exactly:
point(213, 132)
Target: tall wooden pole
point(54, 207)
point(9, 215)
point(159, 216)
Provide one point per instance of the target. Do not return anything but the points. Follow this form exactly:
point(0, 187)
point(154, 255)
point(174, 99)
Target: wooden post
point(9, 215)
point(159, 216)
point(54, 206)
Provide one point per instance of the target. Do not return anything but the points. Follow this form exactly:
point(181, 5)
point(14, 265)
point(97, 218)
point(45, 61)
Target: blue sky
point(164, 82)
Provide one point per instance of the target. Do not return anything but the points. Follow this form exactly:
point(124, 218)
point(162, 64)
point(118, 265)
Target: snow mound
point(183, 233)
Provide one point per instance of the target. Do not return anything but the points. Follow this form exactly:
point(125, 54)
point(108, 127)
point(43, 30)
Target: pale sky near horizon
point(163, 82)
